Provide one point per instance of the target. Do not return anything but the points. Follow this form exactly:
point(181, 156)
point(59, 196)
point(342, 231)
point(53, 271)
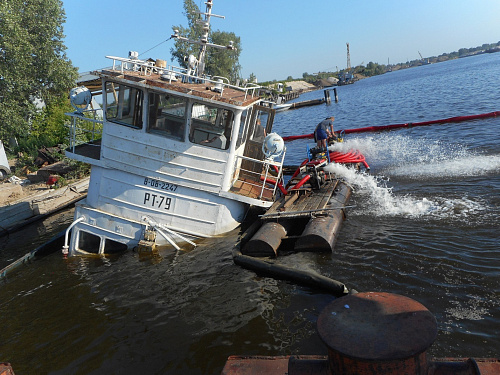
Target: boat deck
point(91, 150)
point(205, 89)
point(249, 188)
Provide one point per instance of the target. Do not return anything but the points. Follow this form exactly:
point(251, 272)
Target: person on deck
point(323, 131)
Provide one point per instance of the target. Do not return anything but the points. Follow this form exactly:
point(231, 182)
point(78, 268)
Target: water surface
point(425, 226)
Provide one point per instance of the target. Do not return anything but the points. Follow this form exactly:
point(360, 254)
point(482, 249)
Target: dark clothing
point(320, 132)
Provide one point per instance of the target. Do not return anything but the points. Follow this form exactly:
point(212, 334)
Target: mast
point(199, 65)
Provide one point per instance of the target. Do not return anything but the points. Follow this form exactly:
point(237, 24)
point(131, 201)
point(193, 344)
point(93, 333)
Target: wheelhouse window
point(211, 126)
point(167, 115)
point(124, 104)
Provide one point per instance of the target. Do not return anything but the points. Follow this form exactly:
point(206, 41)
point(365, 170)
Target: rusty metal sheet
point(465, 366)
point(284, 365)
point(244, 365)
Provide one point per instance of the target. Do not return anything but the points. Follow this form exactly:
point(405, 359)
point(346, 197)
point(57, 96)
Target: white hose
point(65, 248)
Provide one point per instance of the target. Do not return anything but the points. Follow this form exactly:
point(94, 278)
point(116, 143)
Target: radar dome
point(273, 146)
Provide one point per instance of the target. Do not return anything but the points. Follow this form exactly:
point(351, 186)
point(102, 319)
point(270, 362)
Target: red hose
point(301, 182)
point(296, 173)
point(352, 156)
point(273, 182)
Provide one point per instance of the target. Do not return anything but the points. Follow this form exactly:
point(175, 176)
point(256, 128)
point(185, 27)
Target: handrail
point(160, 226)
point(260, 177)
point(148, 68)
point(75, 129)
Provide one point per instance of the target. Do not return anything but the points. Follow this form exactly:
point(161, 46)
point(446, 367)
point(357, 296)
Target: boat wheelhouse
point(176, 156)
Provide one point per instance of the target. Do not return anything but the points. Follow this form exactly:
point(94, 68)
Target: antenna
point(203, 42)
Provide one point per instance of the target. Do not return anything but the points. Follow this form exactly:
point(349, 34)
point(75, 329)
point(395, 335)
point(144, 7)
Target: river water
point(424, 225)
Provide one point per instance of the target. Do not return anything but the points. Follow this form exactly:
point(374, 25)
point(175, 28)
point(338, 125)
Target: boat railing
point(173, 73)
point(85, 127)
point(255, 178)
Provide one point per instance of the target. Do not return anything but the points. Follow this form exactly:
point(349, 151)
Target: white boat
point(277, 107)
point(176, 155)
point(282, 107)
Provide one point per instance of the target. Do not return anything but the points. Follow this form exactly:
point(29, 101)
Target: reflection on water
point(16, 244)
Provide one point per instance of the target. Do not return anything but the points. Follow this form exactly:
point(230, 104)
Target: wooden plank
point(38, 205)
point(302, 205)
point(327, 194)
point(283, 203)
point(315, 200)
point(10, 215)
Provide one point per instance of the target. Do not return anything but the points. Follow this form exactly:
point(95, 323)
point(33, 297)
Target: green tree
point(218, 62)
point(222, 62)
point(33, 63)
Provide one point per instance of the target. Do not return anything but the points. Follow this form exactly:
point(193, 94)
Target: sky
point(282, 38)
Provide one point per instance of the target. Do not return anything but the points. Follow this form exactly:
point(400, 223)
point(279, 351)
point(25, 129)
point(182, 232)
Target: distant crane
point(348, 58)
point(424, 62)
point(346, 76)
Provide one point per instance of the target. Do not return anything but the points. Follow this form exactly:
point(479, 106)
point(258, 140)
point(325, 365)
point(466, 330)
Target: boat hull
point(121, 207)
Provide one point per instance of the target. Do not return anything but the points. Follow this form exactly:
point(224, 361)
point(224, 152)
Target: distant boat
point(275, 106)
point(346, 78)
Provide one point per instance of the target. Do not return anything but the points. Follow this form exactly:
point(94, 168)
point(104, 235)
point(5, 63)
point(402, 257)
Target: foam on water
point(411, 157)
point(404, 156)
point(380, 200)
point(473, 165)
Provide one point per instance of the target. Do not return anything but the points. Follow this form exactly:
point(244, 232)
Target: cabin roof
point(205, 90)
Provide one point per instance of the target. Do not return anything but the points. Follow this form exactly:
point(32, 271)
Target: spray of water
point(401, 156)
point(472, 165)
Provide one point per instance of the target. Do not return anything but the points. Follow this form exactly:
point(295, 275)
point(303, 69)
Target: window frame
point(216, 131)
point(134, 104)
point(170, 121)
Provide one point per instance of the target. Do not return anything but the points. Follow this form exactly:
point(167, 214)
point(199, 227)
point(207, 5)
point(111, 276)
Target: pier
point(325, 100)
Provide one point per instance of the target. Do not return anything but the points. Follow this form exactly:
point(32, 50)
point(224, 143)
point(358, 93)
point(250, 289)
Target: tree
point(222, 62)
point(33, 63)
point(218, 62)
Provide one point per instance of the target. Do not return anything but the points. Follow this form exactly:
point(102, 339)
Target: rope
point(155, 46)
